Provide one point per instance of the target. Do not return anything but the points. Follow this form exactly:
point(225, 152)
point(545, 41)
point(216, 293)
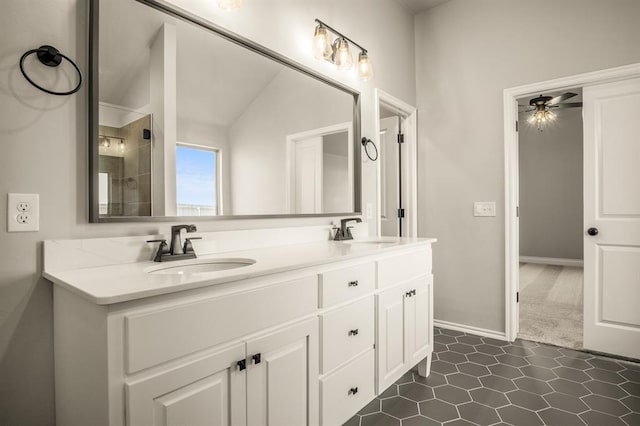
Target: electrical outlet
point(484, 208)
point(23, 213)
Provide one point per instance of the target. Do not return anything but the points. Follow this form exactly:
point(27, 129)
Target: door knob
point(592, 231)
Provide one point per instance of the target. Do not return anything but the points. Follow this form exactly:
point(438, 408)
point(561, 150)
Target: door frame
point(511, 172)
point(323, 131)
point(409, 116)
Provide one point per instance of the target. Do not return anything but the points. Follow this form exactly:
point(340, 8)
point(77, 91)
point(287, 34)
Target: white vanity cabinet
point(404, 307)
point(267, 380)
point(308, 345)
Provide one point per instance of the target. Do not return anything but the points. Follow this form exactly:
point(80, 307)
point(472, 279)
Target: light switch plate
point(484, 208)
point(23, 212)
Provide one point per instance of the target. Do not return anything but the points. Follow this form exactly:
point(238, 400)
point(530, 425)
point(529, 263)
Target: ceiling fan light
point(321, 44)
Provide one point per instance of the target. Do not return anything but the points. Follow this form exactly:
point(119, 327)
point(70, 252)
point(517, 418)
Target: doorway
point(396, 166)
point(550, 221)
point(611, 211)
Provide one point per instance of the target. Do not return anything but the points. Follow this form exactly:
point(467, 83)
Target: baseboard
point(500, 335)
point(551, 261)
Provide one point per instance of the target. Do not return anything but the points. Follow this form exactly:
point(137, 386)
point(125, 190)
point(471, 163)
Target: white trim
point(409, 116)
point(470, 329)
point(511, 169)
point(557, 261)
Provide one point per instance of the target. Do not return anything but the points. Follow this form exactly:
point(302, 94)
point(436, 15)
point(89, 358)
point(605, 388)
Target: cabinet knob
point(407, 294)
point(242, 364)
point(413, 292)
point(353, 332)
point(353, 283)
point(353, 391)
point(257, 358)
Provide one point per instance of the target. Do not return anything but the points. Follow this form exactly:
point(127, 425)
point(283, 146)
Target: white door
point(612, 214)
point(307, 185)
point(282, 377)
point(209, 391)
point(389, 174)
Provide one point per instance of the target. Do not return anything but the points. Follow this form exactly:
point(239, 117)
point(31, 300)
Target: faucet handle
point(163, 249)
point(188, 247)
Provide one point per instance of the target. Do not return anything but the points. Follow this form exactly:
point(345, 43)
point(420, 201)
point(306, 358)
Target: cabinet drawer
point(347, 332)
point(155, 337)
point(347, 283)
point(339, 402)
point(396, 269)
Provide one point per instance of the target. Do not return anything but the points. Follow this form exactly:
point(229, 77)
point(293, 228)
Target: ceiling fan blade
point(561, 98)
point(568, 105)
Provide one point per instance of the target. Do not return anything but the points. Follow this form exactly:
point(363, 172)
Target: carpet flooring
point(551, 302)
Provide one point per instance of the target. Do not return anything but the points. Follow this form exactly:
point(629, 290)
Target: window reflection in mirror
point(197, 180)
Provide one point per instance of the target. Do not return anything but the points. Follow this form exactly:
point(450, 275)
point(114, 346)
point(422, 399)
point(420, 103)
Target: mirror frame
point(94, 38)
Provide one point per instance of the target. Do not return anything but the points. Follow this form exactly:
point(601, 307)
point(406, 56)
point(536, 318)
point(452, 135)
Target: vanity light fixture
point(339, 52)
point(229, 4)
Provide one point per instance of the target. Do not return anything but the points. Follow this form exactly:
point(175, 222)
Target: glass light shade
point(229, 4)
point(541, 117)
point(365, 70)
point(321, 44)
point(121, 146)
point(342, 55)
point(105, 142)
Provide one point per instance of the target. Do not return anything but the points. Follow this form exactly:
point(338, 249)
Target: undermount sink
point(200, 266)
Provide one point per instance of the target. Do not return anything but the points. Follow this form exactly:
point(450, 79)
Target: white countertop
point(111, 284)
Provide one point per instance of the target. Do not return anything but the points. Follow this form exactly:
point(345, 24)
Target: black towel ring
point(51, 57)
point(365, 143)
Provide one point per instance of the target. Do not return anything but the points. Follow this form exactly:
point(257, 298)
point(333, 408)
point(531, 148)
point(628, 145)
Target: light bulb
point(342, 55)
point(229, 4)
point(321, 43)
point(105, 142)
point(365, 70)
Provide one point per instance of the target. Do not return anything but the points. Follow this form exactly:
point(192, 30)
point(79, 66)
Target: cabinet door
point(282, 376)
point(418, 326)
point(207, 391)
point(391, 338)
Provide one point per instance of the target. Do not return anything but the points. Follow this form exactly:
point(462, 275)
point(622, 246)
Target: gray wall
point(43, 142)
point(551, 187)
point(467, 53)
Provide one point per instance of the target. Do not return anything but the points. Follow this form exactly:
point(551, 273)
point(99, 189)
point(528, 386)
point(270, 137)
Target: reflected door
point(612, 218)
point(308, 175)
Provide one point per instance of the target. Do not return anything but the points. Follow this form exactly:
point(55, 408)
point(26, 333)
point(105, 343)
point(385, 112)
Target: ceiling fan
point(542, 107)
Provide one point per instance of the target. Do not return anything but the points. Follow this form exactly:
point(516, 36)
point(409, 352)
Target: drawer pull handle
point(257, 358)
point(353, 332)
point(353, 283)
point(353, 391)
point(242, 364)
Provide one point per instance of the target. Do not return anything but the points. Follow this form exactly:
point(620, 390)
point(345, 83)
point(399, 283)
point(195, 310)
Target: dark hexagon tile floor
point(481, 381)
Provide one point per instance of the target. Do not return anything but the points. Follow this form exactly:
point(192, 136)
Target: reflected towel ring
point(365, 143)
point(51, 57)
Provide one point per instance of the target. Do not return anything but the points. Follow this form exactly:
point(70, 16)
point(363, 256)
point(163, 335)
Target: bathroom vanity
point(305, 333)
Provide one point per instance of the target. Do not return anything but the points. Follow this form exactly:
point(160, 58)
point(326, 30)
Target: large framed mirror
point(188, 120)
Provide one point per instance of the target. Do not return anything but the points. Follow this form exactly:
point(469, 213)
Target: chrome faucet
point(176, 251)
point(344, 232)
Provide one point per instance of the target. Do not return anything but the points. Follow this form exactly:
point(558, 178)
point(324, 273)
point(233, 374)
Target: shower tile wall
point(130, 183)
point(137, 168)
